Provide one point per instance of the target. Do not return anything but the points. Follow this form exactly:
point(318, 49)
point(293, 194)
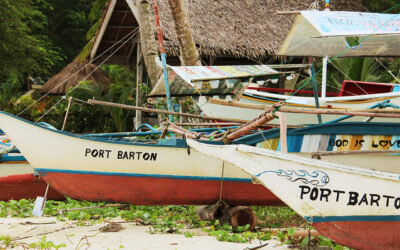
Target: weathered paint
point(338, 142)
point(362, 234)
point(95, 169)
point(145, 190)
point(25, 186)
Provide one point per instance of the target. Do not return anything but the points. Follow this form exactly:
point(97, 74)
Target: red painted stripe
point(362, 234)
point(158, 191)
point(291, 91)
point(25, 186)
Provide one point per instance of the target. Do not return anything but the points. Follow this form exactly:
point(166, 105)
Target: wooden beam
point(139, 80)
point(102, 29)
point(159, 111)
point(288, 12)
point(133, 8)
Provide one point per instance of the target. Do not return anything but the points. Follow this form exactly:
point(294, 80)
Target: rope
point(135, 30)
point(76, 86)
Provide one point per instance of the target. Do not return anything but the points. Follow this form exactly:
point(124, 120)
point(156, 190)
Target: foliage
point(44, 244)
point(273, 217)
point(171, 219)
point(68, 22)
point(122, 91)
point(382, 5)
point(28, 52)
point(357, 69)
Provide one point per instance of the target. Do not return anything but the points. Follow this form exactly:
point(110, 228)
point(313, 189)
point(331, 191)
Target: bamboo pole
point(355, 112)
point(229, 124)
point(354, 152)
point(66, 114)
point(159, 111)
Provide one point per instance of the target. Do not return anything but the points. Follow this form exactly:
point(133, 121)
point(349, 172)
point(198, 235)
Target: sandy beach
point(131, 236)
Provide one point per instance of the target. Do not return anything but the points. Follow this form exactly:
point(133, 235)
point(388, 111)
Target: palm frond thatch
point(73, 74)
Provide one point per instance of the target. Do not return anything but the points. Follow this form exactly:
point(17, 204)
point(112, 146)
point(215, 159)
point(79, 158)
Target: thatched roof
point(73, 74)
point(221, 28)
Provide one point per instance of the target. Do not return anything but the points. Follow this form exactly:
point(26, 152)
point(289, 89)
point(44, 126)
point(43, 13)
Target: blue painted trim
point(180, 143)
point(261, 97)
point(5, 158)
point(147, 126)
point(354, 218)
point(44, 171)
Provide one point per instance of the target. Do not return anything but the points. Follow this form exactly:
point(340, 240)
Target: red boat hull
point(362, 234)
point(25, 186)
point(158, 190)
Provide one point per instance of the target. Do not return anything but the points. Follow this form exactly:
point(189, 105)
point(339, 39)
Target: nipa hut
point(73, 74)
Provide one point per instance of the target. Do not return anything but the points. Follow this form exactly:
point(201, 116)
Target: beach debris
point(111, 227)
point(236, 216)
point(40, 203)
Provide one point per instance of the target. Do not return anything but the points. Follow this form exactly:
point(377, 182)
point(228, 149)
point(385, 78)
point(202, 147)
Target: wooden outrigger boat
point(17, 177)
point(161, 172)
point(354, 206)
point(326, 34)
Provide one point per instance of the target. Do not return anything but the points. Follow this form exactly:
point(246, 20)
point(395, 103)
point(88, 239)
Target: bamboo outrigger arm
point(392, 113)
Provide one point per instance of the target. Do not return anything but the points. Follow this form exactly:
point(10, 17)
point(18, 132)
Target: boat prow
point(356, 207)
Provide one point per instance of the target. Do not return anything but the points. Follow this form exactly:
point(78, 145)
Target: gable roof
point(221, 28)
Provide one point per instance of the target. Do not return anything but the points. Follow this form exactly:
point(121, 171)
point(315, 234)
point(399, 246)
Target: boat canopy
point(212, 80)
point(344, 34)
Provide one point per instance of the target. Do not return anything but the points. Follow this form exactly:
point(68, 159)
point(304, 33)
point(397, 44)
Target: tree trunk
point(179, 12)
point(148, 41)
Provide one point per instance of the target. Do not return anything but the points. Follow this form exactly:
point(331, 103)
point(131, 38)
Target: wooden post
point(139, 80)
point(66, 114)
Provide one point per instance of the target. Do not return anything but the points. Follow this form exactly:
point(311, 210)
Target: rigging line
point(334, 86)
point(390, 72)
point(135, 30)
point(72, 89)
point(351, 80)
point(345, 50)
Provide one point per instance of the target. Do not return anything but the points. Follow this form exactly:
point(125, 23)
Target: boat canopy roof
point(344, 34)
point(212, 80)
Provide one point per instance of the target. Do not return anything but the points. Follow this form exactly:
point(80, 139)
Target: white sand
point(31, 230)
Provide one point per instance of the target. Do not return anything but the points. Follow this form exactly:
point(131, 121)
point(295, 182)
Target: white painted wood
point(324, 70)
point(298, 175)
point(55, 150)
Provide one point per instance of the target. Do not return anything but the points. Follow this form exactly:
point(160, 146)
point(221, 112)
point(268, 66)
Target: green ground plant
point(171, 219)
